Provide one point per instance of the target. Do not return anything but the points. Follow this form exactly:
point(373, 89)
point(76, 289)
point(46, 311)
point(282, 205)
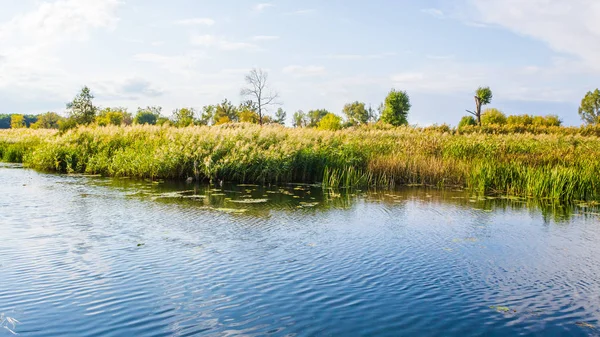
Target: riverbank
point(554, 166)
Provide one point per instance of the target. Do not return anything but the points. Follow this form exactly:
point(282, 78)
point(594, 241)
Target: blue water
point(85, 256)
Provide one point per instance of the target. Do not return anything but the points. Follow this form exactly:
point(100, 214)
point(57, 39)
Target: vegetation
point(330, 122)
point(560, 165)
point(483, 96)
point(493, 116)
point(395, 108)
point(590, 107)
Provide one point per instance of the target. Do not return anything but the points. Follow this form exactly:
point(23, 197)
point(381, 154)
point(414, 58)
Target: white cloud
point(437, 13)
point(196, 22)
point(304, 71)
point(32, 42)
point(221, 44)
point(262, 6)
point(265, 38)
point(570, 27)
point(179, 64)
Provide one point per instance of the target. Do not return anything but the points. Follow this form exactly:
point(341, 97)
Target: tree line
point(259, 99)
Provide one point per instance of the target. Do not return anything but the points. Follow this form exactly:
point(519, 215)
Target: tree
point(148, 115)
point(280, 116)
point(483, 96)
point(330, 122)
point(17, 122)
point(590, 107)
point(225, 112)
point(467, 121)
point(4, 121)
point(49, 120)
point(493, 116)
point(247, 112)
point(396, 108)
point(82, 109)
point(208, 111)
point(300, 119)
point(183, 117)
point(113, 116)
point(315, 116)
point(356, 113)
point(259, 92)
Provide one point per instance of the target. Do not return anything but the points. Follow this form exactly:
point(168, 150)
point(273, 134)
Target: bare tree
point(259, 92)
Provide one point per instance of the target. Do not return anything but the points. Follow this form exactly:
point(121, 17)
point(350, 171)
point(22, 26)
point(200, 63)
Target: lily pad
point(502, 309)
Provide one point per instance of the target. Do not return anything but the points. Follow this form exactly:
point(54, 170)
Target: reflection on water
point(88, 256)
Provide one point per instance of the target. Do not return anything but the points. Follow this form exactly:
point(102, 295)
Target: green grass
point(557, 165)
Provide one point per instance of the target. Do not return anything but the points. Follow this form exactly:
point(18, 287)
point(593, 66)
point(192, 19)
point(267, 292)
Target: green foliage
point(549, 120)
point(82, 109)
point(184, 117)
point(330, 122)
point(66, 124)
point(49, 120)
point(113, 116)
point(493, 116)
point(484, 94)
point(589, 111)
point(300, 119)
point(315, 116)
point(280, 116)
point(208, 111)
point(467, 121)
point(247, 113)
point(356, 113)
point(396, 108)
point(519, 120)
point(148, 115)
point(4, 121)
point(17, 121)
point(225, 112)
point(560, 164)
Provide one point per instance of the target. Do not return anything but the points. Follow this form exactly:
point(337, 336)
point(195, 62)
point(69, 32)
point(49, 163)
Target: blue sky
point(538, 56)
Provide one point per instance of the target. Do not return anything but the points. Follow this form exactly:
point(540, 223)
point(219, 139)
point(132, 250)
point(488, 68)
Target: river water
point(89, 256)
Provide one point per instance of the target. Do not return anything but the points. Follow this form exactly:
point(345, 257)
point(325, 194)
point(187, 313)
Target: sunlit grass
point(555, 164)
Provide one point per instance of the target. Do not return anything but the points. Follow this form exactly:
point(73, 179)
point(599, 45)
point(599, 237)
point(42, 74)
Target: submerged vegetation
point(553, 164)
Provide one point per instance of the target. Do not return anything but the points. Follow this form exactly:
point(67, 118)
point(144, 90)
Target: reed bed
point(553, 165)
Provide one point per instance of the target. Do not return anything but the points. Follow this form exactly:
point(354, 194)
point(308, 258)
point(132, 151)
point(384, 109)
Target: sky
point(538, 56)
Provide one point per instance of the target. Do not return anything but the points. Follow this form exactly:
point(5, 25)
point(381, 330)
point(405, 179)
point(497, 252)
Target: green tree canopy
point(493, 116)
point(184, 117)
point(589, 111)
point(330, 122)
point(280, 116)
point(483, 96)
point(300, 119)
point(49, 120)
point(396, 108)
point(467, 121)
point(148, 115)
point(356, 113)
point(315, 116)
point(225, 112)
point(82, 109)
point(17, 121)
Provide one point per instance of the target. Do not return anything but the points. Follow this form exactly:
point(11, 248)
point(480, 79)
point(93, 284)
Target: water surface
point(88, 256)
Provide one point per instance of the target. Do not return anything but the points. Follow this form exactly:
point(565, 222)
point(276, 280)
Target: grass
point(554, 164)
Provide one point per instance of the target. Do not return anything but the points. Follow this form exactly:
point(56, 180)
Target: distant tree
point(493, 116)
point(208, 111)
point(396, 108)
point(113, 116)
point(522, 120)
point(66, 124)
point(330, 122)
point(163, 121)
point(17, 121)
point(247, 112)
point(356, 113)
point(184, 117)
point(4, 121)
point(300, 119)
point(30, 119)
point(280, 116)
point(225, 112)
point(315, 116)
point(373, 115)
point(589, 111)
point(483, 96)
point(549, 120)
point(49, 120)
point(259, 92)
point(148, 115)
point(82, 109)
point(467, 121)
